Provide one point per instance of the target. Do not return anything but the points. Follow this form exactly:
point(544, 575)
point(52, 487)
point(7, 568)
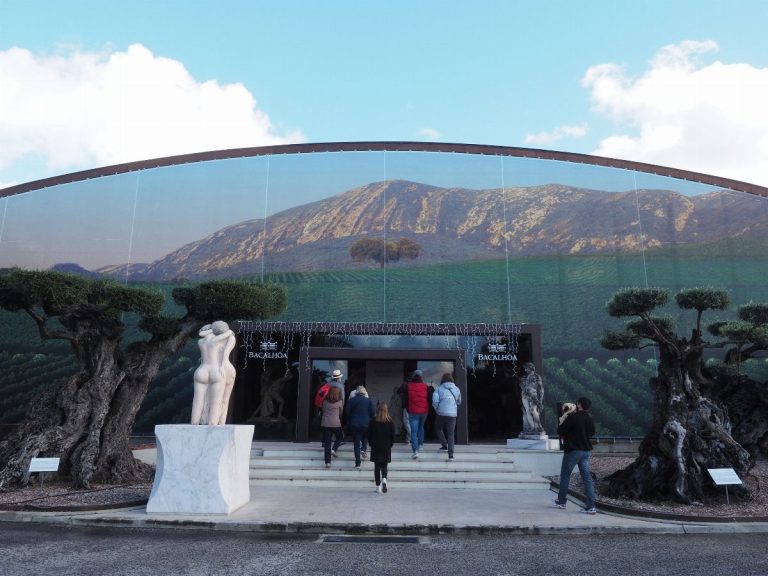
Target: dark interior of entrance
point(276, 386)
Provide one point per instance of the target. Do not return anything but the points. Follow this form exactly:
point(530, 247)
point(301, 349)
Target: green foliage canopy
point(701, 299)
point(636, 301)
point(56, 293)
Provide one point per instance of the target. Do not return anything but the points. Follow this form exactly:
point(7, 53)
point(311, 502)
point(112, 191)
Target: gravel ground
point(56, 494)
point(756, 483)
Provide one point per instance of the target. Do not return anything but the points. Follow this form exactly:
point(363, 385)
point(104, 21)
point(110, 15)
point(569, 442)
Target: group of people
point(416, 396)
point(374, 427)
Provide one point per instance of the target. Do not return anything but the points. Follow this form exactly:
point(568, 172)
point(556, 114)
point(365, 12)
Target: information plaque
point(724, 476)
point(44, 465)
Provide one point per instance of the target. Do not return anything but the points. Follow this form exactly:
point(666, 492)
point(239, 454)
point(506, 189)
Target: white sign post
point(724, 477)
point(43, 465)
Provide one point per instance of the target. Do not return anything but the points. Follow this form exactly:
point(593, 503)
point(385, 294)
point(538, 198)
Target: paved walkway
point(400, 511)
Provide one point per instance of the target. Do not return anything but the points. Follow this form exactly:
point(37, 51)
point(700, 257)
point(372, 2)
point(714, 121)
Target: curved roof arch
point(387, 146)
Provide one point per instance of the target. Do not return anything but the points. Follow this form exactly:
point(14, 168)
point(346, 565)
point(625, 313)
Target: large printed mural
point(429, 236)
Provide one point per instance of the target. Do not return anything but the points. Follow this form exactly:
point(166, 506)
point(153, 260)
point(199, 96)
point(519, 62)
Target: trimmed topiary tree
point(87, 419)
point(690, 430)
point(746, 399)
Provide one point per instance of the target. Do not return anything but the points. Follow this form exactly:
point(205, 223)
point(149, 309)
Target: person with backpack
point(381, 435)
point(446, 401)
point(418, 409)
point(320, 395)
point(359, 412)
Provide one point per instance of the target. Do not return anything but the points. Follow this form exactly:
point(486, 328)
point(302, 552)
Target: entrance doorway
point(382, 372)
point(281, 365)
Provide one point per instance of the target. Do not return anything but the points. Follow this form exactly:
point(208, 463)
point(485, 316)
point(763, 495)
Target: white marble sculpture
point(532, 394)
point(214, 378)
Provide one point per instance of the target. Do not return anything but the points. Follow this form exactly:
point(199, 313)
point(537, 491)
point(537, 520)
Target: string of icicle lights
point(261, 337)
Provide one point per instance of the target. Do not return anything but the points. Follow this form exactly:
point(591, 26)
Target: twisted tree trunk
point(690, 433)
point(86, 421)
point(747, 402)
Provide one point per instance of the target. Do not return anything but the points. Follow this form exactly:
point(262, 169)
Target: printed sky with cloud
point(84, 88)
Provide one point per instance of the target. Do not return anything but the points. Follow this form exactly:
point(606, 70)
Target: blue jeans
point(417, 430)
point(572, 459)
point(360, 434)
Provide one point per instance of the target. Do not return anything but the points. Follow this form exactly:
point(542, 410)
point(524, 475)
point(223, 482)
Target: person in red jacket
point(418, 409)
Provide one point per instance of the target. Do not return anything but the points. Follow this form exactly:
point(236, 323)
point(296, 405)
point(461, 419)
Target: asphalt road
point(58, 550)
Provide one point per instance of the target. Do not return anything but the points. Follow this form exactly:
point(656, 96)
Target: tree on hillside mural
point(381, 251)
point(86, 420)
point(690, 430)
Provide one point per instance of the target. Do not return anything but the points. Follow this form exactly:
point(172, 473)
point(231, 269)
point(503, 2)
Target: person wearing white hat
point(336, 382)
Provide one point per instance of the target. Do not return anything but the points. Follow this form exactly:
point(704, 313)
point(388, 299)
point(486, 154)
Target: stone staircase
point(485, 467)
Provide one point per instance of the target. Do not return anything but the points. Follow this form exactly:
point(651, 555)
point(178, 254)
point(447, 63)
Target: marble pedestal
point(529, 442)
point(201, 469)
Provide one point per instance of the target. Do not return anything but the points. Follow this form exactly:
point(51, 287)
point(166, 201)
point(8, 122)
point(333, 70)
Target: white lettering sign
point(267, 355)
point(44, 465)
point(496, 357)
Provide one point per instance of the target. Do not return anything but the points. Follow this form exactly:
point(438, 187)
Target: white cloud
point(84, 109)
point(429, 134)
point(559, 133)
point(683, 113)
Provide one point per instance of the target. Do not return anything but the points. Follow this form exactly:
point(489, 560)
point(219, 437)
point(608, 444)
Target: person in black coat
point(576, 432)
point(381, 436)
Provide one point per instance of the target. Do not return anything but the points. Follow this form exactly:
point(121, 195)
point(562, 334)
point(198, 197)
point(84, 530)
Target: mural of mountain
point(455, 224)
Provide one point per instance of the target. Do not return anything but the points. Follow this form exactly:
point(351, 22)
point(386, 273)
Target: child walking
point(381, 436)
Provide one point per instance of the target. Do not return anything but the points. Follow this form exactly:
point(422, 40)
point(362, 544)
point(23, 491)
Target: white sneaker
point(384, 485)
point(333, 453)
point(378, 489)
point(415, 455)
point(364, 455)
point(358, 468)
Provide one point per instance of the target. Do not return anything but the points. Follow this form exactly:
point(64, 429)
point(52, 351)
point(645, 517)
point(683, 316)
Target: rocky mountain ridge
point(454, 224)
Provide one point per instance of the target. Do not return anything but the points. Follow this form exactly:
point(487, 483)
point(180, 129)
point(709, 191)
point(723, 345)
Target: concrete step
point(430, 453)
point(423, 483)
point(347, 474)
point(484, 467)
point(457, 465)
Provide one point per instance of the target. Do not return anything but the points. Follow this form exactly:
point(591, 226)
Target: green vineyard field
point(619, 389)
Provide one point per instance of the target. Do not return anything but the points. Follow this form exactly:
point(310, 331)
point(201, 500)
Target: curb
point(305, 528)
point(74, 508)
point(646, 514)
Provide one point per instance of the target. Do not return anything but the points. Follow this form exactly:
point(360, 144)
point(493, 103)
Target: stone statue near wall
point(214, 378)
point(532, 395)
point(271, 392)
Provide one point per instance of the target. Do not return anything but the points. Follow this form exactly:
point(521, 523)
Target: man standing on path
point(577, 431)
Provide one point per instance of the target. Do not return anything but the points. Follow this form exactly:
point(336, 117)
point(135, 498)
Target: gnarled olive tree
point(87, 419)
point(690, 429)
point(746, 399)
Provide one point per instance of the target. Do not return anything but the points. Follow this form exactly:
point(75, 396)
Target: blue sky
point(89, 83)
